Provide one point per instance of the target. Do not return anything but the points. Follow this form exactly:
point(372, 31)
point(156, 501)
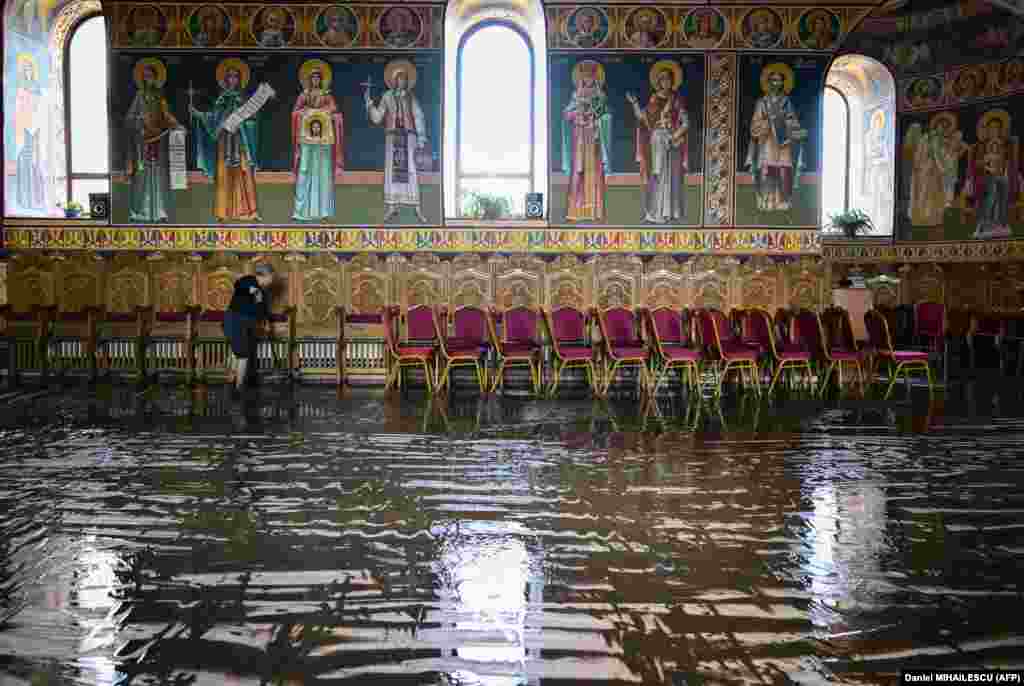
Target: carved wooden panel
point(927, 283)
point(663, 283)
point(519, 281)
point(759, 279)
point(471, 282)
point(31, 287)
point(712, 278)
point(127, 289)
point(422, 280)
point(218, 276)
point(804, 288)
point(1005, 287)
point(618, 280)
point(366, 284)
point(319, 282)
point(565, 283)
point(174, 284)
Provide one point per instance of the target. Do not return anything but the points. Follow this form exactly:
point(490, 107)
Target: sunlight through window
point(836, 161)
point(495, 121)
point(87, 107)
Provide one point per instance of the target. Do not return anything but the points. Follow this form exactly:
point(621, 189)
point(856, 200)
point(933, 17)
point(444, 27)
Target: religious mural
point(627, 139)
point(338, 139)
point(30, 110)
point(962, 176)
point(779, 140)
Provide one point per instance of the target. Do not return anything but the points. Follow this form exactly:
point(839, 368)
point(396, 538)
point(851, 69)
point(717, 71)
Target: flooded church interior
point(511, 342)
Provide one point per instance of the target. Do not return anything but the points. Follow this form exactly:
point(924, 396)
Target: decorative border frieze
point(960, 251)
point(962, 85)
point(480, 240)
point(720, 139)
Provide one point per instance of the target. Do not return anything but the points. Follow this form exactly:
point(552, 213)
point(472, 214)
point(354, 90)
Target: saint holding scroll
point(227, 141)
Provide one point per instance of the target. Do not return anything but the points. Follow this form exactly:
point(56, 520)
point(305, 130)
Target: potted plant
point(851, 222)
point(72, 209)
point(486, 206)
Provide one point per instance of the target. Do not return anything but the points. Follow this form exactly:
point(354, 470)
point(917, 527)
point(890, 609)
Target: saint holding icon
point(318, 143)
point(662, 143)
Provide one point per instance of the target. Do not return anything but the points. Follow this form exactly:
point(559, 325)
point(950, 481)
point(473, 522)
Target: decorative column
point(720, 140)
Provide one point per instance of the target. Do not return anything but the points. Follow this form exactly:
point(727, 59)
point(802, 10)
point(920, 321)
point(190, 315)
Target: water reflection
point(303, 537)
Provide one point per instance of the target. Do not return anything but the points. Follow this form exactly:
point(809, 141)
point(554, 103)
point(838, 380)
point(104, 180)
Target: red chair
point(418, 349)
point(839, 347)
point(623, 344)
point(899, 361)
point(930, 329)
point(466, 348)
point(721, 344)
point(786, 357)
point(670, 340)
point(519, 344)
point(567, 330)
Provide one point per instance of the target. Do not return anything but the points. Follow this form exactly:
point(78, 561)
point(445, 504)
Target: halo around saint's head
point(878, 119)
point(310, 66)
point(238, 65)
point(24, 58)
point(159, 71)
point(670, 66)
point(588, 69)
point(948, 117)
point(394, 67)
point(778, 68)
point(990, 116)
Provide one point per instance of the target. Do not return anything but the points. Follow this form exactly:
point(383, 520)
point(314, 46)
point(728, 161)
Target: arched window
point(835, 196)
point(88, 142)
point(495, 140)
point(859, 162)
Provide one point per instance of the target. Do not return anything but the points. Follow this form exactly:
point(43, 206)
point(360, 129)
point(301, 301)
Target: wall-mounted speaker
point(535, 205)
point(99, 205)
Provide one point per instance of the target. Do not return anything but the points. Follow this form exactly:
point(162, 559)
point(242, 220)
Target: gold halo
point(209, 10)
point(879, 114)
point(670, 65)
point(275, 12)
point(647, 11)
point(24, 58)
point(233, 63)
point(949, 117)
point(158, 68)
point(596, 70)
point(778, 68)
point(310, 66)
point(1000, 114)
point(811, 14)
point(395, 66)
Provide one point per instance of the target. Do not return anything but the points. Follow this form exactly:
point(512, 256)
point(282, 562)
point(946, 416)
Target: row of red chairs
point(749, 343)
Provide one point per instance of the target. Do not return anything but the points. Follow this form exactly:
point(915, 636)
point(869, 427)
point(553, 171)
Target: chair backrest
point(419, 323)
point(878, 331)
point(837, 330)
point(387, 315)
point(568, 325)
point(666, 326)
point(757, 328)
point(706, 330)
point(929, 320)
point(618, 326)
point(722, 327)
point(905, 325)
point(470, 323)
point(737, 321)
point(520, 324)
point(783, 326)
point(807, 332)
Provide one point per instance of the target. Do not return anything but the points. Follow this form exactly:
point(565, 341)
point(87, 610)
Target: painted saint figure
point(273, 35)
point(149, 123)
point(230, 158)
point(29, 181)
point(317, 143)
point(405, 134)
point(994, 178)
point(877, 181)
point(662, 145)
point(775, 152)
point(936, 155)
point(586, 143)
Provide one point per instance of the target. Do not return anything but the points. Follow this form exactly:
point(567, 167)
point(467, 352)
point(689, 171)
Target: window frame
point(71, 175)
point(846, 145)
point(531, 175)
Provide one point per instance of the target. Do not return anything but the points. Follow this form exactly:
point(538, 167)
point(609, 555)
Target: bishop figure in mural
point(775, 152)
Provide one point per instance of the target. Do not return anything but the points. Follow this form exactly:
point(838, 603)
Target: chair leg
point(499, 377)
point(894, 376)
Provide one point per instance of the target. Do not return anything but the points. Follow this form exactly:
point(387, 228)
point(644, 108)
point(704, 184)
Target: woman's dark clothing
point(249, 304)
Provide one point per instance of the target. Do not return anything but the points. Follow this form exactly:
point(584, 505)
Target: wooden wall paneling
point(663, 283)
point(318, 282)
point(471, 281)
point(79, 281)
point(568, 282)
point(217, 280)
point(759, 280)
point(423, 280)
point(926, 282)
point(33, 281)
point(519, 281)
point(128, 284)
point(805, 284)
point(366, 284)
point(175, 280)
point(618, 280)
point(713, 281)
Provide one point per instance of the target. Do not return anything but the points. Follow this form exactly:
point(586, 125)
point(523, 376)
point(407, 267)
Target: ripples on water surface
point(176, 538)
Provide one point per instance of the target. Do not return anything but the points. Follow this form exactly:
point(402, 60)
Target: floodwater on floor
point(179, 536)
